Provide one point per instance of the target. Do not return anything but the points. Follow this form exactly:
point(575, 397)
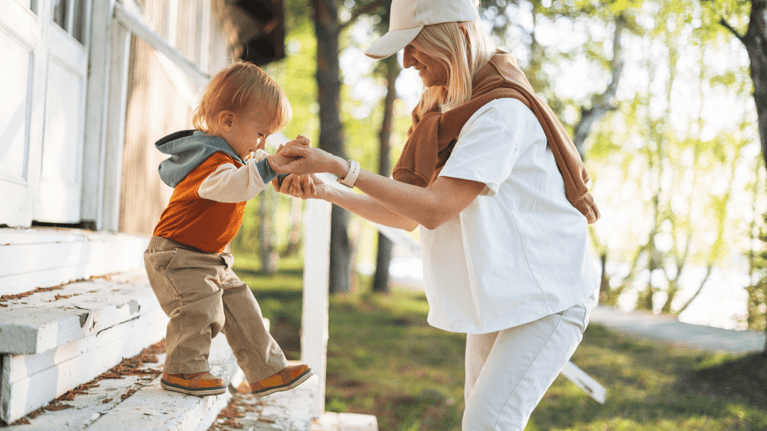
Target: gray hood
point(187, 150)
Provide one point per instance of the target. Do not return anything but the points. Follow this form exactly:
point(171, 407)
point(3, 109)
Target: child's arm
point(231, 184)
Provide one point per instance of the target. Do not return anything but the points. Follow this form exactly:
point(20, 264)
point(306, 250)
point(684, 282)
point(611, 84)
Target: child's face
point(246, 132)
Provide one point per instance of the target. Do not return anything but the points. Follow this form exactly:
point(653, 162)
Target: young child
point(213, 176)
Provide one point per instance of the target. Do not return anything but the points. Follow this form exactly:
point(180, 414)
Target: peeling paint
point(84, 318)
point(135, 307)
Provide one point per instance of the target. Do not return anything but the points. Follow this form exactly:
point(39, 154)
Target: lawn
point(383, 359)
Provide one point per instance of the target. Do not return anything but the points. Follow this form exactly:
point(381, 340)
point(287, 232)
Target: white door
point(19, 145)
point(42, 87)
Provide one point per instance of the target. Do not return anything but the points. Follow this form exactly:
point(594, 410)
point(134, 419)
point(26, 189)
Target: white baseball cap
point(409, 16)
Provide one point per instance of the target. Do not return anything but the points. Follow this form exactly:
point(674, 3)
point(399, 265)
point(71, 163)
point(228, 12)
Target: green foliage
point(679, 182)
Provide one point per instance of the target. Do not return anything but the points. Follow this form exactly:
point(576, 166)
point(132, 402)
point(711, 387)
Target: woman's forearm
point(427, 207)
point(369, 209)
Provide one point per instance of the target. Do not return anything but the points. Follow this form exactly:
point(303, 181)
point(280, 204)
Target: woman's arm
point(430, 207)
point(359, 204)
point(368, 208)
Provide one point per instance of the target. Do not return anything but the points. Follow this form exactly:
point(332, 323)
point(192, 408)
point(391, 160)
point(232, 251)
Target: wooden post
point(96, 111)
point(314, 324)
point(115, 126)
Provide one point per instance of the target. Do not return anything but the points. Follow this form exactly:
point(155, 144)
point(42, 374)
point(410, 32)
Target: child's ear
point(226, 120)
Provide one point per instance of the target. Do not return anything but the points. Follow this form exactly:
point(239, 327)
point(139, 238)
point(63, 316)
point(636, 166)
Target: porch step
point(52, 341)
point(44, 257)
point(139, 403)
point(288, 411)
point(48, 319)
point(345, 422)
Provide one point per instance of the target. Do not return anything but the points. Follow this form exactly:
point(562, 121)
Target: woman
point(504, 216)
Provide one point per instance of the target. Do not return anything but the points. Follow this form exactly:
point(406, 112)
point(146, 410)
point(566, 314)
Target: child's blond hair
point(463, 48)
point(238, 88)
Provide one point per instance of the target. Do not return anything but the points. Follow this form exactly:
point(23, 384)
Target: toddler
point(214, 172)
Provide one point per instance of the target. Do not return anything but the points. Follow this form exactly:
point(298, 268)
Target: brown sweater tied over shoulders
point(433, 134)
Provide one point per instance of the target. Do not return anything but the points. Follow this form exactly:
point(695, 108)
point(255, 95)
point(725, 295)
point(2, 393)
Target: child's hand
point(280, 158)
point(300, 141)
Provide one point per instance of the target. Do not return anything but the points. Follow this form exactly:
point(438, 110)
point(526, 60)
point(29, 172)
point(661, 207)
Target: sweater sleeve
point(231, 184)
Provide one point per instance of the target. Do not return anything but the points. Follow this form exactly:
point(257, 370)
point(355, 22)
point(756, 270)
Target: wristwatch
point(351, 175)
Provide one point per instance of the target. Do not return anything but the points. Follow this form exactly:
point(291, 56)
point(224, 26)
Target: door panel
point(59, 191)
point(61, 142)
point(14, 126)
point(18, 37)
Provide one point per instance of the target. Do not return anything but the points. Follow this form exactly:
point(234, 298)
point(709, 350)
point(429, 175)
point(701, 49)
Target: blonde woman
point(499, 193)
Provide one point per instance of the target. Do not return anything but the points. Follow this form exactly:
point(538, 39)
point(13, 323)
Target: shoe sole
point(297, 381)
point(203, 392)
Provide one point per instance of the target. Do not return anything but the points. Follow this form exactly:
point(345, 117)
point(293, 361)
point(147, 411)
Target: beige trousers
point(509, 371)
point(202, 296)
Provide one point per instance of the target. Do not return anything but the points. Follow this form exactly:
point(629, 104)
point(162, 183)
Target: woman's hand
point(303, 186)
point(311, 161)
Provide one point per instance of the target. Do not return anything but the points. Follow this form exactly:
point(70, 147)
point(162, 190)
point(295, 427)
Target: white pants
point(509, 371)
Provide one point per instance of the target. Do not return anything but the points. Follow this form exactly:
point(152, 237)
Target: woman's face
point(431, 71)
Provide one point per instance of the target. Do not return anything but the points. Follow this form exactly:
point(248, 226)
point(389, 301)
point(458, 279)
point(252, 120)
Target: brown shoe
point(288, 378)
point(200, 384)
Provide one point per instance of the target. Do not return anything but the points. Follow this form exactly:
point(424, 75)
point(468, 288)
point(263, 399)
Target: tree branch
point(727, 25)
point(362, 10)
point(697, 292)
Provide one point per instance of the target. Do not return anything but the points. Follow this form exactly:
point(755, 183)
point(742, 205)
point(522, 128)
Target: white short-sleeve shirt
point(519, 251)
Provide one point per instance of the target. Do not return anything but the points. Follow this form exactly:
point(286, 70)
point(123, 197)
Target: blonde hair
point(463, 48)
point(238, 88)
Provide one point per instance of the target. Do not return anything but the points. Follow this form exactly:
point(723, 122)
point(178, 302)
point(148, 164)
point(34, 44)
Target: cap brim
point(392, 42)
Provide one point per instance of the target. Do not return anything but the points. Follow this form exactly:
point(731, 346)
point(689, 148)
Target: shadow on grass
point(249, 272)
point(743, 378)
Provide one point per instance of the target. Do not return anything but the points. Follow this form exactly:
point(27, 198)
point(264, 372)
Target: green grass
point(383, 359)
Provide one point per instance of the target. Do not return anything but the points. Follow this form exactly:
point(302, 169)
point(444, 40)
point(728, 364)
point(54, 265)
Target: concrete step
point(52, 341)
point(345, 422)
point(137, 402)
point(43, 257)
point(288, 411)
point(284, 411)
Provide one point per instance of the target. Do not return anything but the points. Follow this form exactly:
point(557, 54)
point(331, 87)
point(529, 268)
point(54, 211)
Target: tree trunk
point(755, 41)
point(605, 102)
point(604, 282)
point(327, 29)
point(385, 246)
point(294, 235)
